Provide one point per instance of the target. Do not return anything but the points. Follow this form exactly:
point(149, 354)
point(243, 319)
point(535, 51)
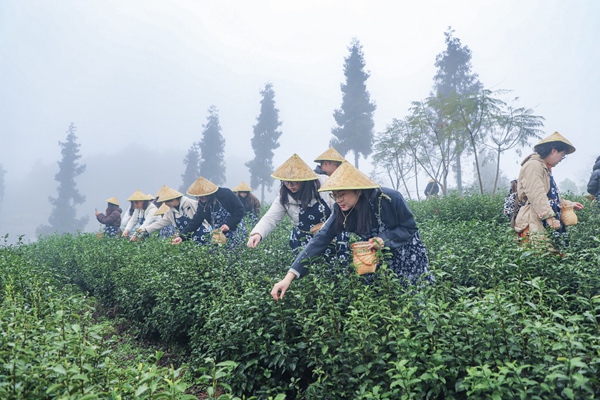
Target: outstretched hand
point(282, 286)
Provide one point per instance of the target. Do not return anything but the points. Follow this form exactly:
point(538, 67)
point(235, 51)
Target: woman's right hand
point(553, 223)
point(176, 240)
point(126, 233)
point(254, 240)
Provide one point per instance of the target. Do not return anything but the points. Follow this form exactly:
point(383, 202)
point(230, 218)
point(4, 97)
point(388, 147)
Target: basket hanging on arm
point(364, 259)
point(567, 215)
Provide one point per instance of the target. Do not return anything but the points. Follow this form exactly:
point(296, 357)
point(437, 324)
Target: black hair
point(545, 149)
point(359, 218)
point(308, 191)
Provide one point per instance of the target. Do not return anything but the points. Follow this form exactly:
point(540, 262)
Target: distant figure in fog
point(432, 189)
point(249, 201)
point(112, 218)
point(593, 186)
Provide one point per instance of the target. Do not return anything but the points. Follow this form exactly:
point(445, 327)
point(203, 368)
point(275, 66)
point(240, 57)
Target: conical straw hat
point(557, 137)
point(168, 194)
point(242, 187)
point(162, 209)
point(330, 155)
point(294, 170)
point(113, 200)
point(138, 195)
point(202, 187)
point(347, 177)
point(149, 197)
point(162, 189)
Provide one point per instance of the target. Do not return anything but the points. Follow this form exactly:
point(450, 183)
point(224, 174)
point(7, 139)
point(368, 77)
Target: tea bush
point(500, 321)
point(50, 346)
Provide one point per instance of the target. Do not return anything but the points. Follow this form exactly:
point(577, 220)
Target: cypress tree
point(192, 167)
point(63, 216)
point(264, 141)
point(454, 77)
point(212, 148)
point(354, 131)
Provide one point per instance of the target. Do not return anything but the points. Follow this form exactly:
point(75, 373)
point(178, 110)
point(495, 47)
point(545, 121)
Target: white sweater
point(147, 214)
point(276, 212)
point(187, 208)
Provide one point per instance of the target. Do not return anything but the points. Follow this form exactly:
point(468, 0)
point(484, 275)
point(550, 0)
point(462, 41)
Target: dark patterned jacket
point(229, 201)
point(387, 205)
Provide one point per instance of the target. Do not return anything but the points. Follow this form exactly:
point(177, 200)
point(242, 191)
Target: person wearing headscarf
point(249, 201)
point(538, 197)
point(298, 198)
point(378, 215)
point(328, 162)
point(180, 213)
point(220, 208)
point(143, 213)
point(111, 219)
point(593, 186)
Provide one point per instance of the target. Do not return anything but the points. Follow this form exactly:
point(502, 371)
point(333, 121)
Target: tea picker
point(540, 204)
point(221, 209)
point(300, 200)
point(379, 216)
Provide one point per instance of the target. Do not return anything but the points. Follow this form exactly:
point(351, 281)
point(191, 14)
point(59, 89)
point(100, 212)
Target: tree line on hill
point(459, 120)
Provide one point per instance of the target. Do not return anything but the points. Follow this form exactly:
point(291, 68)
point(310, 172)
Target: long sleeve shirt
point(229, 201)
point(186, 208)
point(277, 212)
point(387, 205)
point(147, 214)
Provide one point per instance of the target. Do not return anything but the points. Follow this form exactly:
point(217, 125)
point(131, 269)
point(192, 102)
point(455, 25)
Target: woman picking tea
point(376, 214)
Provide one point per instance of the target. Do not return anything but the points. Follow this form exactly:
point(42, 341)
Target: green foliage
point(499, 321)
point(50, 346)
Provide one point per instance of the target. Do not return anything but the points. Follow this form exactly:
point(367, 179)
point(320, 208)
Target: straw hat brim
point(202, 187)
point(113, 200)
point(162, 209)
point(138, 195)
point(294, 170)
point(169, 194)
point(557, 137)
point(242, 187)
point(330, 154)
point(347, 177)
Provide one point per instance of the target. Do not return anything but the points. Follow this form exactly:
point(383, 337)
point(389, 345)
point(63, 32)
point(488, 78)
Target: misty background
point(137, 78)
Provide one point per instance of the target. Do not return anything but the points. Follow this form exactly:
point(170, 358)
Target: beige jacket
point(532, 188)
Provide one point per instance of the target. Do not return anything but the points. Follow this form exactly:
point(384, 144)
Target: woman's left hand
point(376, 243)
point(224, 228)
point(577, 206)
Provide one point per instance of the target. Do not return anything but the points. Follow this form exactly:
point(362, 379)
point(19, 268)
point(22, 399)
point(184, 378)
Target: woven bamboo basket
point(363, 258)
point(218, 237)
point(316, 228)
point(567, 215)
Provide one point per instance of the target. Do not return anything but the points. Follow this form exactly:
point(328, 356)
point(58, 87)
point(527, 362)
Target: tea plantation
point(500, 321)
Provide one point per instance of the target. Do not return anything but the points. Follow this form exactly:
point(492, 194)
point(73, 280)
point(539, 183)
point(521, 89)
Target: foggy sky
point(138, 77)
